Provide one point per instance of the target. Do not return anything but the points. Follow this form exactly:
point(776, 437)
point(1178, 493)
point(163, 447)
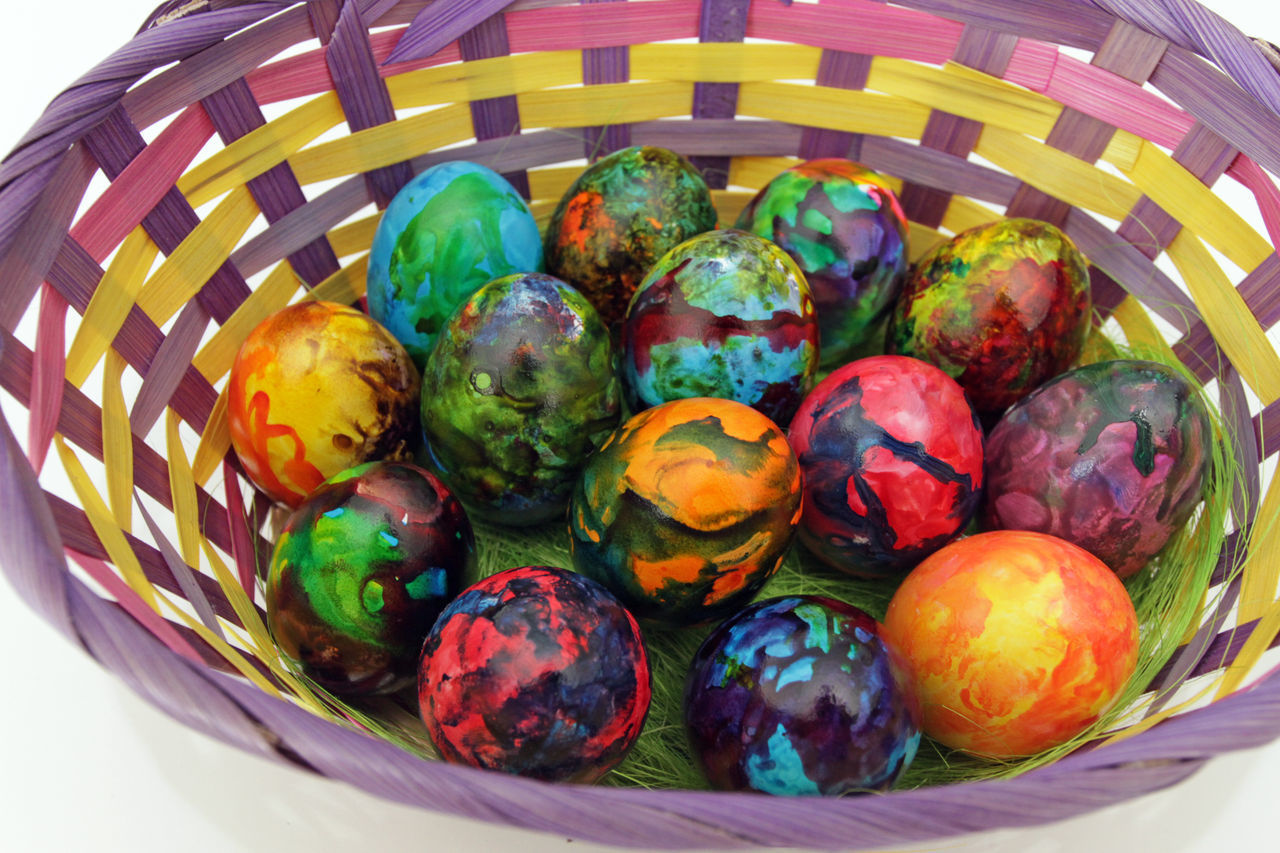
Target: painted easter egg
point(538, 672)
point(622, 214)
point(892, 458)
point(1112, 456)
point(520, 389)
point(1016, 641)
point(842, 224)
point(317, 388)
point(724, 314)
point(687, 510)
point(360, 572)
point(800, 696)
point(452, 228)
point(1001, 308)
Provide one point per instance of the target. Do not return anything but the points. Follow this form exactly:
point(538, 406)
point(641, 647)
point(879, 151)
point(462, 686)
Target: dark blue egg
point(800, 696)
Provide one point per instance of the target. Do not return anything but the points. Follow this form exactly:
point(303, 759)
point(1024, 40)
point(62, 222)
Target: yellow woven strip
point(261, 149)
point(837, 109)
point(963, 213)
point(346, 285)
point(259, 636)
point(610, 103)
point(383, 145)
point(182, 489)
point(215, 442)
point(222, 647)
point(1123, 150)
point(542, 210)
point(487, 78)
point(724, 63)
point(109, 534)
point(920, 239)
point(215, 357)
point(1262, 569)
point(755, 172)
point(1057, 173)
point(1197, 207)
point(551, 183)
point(1251, 652)
point(965, 92)
point(354, 237)
point(728, 204)
point(198, 257)
point(117, 442)
point(110, 304)
point(1225, 313)
point(1139, 331)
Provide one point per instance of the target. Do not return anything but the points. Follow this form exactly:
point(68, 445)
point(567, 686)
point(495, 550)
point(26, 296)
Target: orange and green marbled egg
point(317, 388)
point(1016, 641)
point(687, 509)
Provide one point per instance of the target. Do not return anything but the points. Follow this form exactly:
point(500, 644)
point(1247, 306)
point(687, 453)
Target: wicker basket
point(277, 129)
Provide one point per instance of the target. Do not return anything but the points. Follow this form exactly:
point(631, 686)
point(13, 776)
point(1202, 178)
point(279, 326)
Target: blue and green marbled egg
point(725, 314)
point(452, 228)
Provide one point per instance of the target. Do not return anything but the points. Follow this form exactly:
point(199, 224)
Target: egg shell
point(520, 388)
point(622, 214)
point(1015, 641)
point(1112, 456)
point(800, 696)
point(1002, 308)
point(724, 314)
point(360, 572)
point(538, 672)
point(452, 228)
point(842, 224)
point(891, 453)
point(316, 388)
point(687, 510)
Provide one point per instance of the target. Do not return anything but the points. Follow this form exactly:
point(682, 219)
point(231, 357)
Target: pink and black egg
point(538, 672)
point(360, 572)
point(800, 696)
point(891, 453)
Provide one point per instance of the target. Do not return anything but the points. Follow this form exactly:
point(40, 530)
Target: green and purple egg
point(360, 572)
point(842, 224)
point(520, 389)
point(725, 314)
point(1001, 308)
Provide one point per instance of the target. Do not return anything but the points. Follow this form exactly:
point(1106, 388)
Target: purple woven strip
point(1064, 22)
point(234, 112)
point(114, 144)
point(1261, 291)
point(1200, 353)
point(722, 21)
point(494, 118)
point(171, 362)
point(605, 65)
point(1266, 427)
point(363, 93)
point(441, 23)
point(936, 168)
point(720, 136)
point(1233, 403)
point(837, 69)
point(298, 229)
point(1074, 133)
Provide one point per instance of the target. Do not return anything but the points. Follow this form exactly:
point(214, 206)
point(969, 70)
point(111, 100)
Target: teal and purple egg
point(360, 572)
point(1112, 456)
point(799, 696)
point(520, 389)
point(725, 314)
point(842, 224)
point(452, 228)
point(537, 672)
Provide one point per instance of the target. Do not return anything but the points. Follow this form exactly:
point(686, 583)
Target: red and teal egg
point(452, 228)
point(360, 572)
point(520, 389)
point(538, 672)
point(1001, 308)
point(1112, 456)
point(725, 314)
point(842, 224)
point(798, 696)
point(891, 453)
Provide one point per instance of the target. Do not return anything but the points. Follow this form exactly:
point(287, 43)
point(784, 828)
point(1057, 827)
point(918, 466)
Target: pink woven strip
point(139, 188)
point(576, 27)
point(1252, 176)
point(874, 28)
point(134, 606)
point(47, 375)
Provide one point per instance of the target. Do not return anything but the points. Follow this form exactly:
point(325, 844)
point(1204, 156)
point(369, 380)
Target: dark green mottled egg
point(360, 572)
point(620, 216)
point(520, 388)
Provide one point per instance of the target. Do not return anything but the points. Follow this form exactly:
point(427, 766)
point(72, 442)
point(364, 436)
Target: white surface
point(86, 765)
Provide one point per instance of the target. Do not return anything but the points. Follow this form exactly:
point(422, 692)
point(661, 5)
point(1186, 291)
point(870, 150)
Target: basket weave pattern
point(247, 147)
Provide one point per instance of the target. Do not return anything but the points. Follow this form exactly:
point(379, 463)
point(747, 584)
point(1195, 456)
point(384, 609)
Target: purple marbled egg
point(1112, 456)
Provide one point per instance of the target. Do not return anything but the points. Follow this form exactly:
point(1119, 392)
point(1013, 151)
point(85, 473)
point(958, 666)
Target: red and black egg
point(891, 454)
point(538, 672)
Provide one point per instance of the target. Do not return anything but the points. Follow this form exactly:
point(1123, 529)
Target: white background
point(86, 765)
